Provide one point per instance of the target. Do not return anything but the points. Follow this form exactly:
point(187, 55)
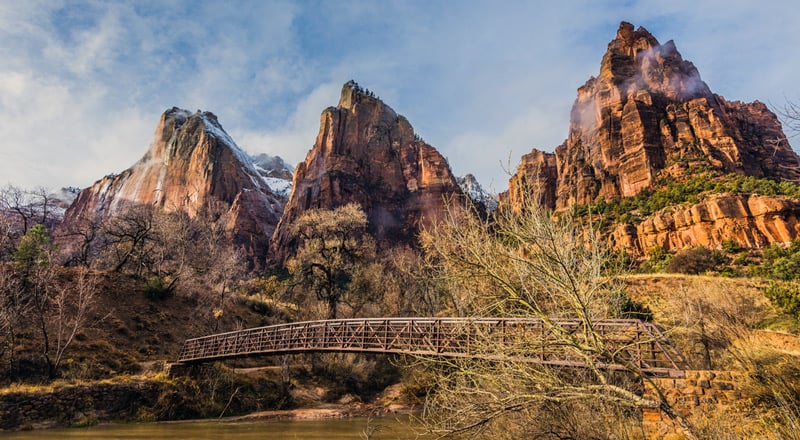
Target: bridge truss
point(633, 343)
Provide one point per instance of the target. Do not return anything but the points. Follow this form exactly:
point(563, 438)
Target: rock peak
point(352, 93)
point(648, 118)
point(366, 153)
point(192, 165)
point(630, 39)
point(635, 61)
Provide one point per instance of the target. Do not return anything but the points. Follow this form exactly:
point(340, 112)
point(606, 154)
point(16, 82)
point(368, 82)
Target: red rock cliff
point(647, 108)
point(647, 113)
point(191, 165)
point(368, 154)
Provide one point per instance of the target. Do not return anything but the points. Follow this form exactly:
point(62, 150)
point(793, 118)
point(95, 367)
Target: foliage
point(696, 260)
point(781, 263)
point(33, 249)
point(731, 246)
point(658, 260)
point(532, 266)
point(334, 247)
point(669, 191)
point(785, 297)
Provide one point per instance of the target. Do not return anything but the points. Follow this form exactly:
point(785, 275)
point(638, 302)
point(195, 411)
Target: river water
point(328, 429)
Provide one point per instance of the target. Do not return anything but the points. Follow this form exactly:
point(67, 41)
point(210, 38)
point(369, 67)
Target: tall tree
point(334, 243)
point(529, 265)
point(33, 261)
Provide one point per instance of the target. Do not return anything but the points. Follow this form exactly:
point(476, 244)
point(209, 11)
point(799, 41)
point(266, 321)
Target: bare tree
point(528, 265)
point(13, 311)
point(15, 201)
point(8, 236)
point(790, 116)
point(127, 236)
point(216, 263)
point(81, 241)
point(43, 206)
point(33, 262)
point(72, 305)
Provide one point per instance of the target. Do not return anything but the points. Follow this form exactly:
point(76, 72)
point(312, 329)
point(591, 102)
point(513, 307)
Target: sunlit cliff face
point(649, 107)
point(192, 165)
point(368, 154)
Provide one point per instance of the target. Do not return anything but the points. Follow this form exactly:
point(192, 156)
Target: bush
point(658, 260)
point(781, 263)
point(784, 297)
point(630, 309)
point(731, 246)
point(696, 261)
point(155, 288)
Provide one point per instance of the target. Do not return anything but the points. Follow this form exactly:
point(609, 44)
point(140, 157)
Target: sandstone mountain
point(647, 119)
point(368, 154)
point(191, 165)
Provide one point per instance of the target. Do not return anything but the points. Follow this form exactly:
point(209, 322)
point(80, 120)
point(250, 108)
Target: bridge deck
point(641, 344)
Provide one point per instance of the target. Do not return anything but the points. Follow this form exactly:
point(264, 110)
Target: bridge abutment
point(699, 393)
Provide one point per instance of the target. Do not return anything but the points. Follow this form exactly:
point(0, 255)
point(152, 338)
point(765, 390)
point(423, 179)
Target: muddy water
point(329, 429)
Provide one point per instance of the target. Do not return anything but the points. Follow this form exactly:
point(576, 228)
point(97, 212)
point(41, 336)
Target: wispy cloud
point(82, 83)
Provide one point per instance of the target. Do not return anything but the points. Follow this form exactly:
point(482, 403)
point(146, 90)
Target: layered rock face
point(752, 221)
point(647, 108)
point(368, 154)
point(191, 165)
point(644, 115)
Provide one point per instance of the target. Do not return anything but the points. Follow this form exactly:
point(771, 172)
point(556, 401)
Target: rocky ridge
point(368, 154)
point(648, 116)
point(192, 165)
point(473, 189)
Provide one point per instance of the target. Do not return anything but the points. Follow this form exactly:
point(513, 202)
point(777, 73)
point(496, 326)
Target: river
point(327, 429)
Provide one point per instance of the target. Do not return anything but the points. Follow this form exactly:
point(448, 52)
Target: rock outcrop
point(646, 116)
point(368, 154)
point(649, 108)
point(752, 221)
point(192, 165)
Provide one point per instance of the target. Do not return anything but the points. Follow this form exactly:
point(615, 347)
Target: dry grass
point(720, 321)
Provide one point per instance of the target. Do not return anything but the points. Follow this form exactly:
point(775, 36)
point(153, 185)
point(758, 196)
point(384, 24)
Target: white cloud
point(296, 137)
point(83, 83)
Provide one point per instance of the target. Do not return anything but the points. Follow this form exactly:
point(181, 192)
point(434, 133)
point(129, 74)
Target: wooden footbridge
point(626, 343)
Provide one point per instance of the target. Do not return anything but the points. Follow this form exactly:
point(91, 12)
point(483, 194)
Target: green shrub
point(781, 263)
point(731, 246)
point(784, 297)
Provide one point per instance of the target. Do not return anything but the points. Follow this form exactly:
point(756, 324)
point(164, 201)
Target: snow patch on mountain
point(275, 172)
point(470, 185)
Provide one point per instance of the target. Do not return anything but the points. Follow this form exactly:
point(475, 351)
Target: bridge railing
point(633, 342)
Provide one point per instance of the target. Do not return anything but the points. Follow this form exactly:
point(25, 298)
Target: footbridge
point(626, 343)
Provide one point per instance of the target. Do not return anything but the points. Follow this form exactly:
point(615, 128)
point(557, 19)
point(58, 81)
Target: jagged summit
point(367, 154)
point(191, 165)
point(471, 187)
point(646, 118)
point(636, 61)
point(353, 94)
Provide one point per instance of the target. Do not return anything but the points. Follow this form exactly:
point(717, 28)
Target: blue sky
point(83, 83)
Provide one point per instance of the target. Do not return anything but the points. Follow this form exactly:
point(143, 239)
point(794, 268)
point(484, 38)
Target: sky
point(83, 83)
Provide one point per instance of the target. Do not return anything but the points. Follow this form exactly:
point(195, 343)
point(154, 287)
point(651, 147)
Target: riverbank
point(375, 428)
point(206, 393)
